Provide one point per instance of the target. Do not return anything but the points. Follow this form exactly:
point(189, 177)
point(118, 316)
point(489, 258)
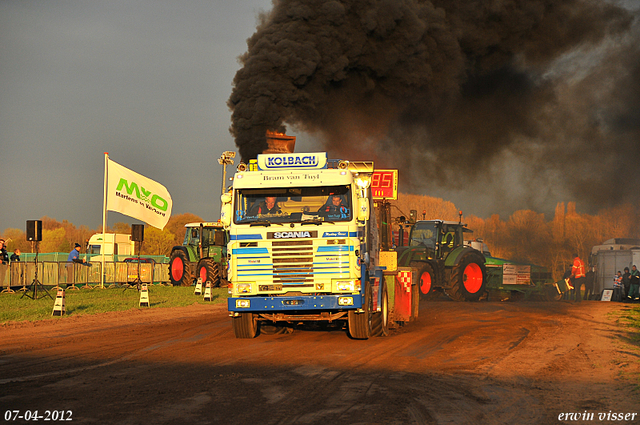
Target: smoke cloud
point(455, 93)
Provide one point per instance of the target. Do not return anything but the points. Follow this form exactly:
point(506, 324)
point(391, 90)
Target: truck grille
point(293, 263)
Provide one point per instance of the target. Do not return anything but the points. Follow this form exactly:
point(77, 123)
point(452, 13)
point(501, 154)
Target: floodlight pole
point(225, 159)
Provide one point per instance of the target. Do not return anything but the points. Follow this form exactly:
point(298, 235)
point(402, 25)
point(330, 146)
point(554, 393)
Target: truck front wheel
point(245, 325)
point(468, 279)
point(180, 269)
point(360, 323)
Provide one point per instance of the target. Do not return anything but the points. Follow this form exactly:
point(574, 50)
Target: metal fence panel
point(52, 273)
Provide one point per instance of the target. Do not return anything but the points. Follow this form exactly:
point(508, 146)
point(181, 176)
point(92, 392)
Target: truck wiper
point(266, 223)
point(316, 221)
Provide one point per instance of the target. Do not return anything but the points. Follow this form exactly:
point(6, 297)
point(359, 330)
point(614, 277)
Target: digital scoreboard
point(384, 184)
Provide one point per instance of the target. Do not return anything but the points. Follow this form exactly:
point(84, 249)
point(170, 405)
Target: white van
point(114, 244)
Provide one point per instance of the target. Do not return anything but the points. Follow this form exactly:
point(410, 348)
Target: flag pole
point(104, 216)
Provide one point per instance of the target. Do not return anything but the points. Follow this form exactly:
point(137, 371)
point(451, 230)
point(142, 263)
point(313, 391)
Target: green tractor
point(444, 263)
point(203, 254)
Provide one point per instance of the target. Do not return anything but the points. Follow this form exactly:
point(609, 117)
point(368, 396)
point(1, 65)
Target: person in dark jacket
point(589, 283)
point(268, 206)
point(634, 287)
point(15, 256)
point(334, 207)
point(4, 262)
point(626, 281)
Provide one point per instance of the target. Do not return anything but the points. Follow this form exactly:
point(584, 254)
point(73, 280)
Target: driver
point(268, 206)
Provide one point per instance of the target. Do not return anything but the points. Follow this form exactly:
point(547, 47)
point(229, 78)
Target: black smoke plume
point(453, 92)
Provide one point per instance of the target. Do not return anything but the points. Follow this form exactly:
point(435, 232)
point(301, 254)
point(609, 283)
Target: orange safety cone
point(207, 292)
point(58, 307)
point(198, 290)
point(144, 296)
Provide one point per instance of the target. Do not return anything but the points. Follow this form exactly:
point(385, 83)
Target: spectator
point(577, 277)
point(626, 281)
point(617, 287)
point(15, 256)
point(634, 287)
point(589, 283)
point(74, 257)
point(17, 269)
point(4, 262)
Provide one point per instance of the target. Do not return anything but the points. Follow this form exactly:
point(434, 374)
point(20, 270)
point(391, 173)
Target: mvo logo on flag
point(137, 196)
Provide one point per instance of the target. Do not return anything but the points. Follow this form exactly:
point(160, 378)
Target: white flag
point(132, 194)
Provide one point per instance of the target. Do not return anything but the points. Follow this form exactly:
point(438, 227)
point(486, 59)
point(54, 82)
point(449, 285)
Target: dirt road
point(460, 363)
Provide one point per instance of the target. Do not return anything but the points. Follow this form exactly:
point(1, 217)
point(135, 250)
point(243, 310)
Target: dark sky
point(146, 81)
point(495, 105)
point(149, 82)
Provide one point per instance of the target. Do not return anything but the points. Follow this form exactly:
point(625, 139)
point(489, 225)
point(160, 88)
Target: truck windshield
point(293, 205)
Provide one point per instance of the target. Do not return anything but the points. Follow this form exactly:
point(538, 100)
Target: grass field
point(17, 308)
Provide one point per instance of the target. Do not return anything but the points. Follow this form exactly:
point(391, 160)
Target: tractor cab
point(439, 237)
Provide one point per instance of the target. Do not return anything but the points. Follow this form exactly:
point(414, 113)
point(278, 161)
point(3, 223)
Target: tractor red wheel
point(180, 269)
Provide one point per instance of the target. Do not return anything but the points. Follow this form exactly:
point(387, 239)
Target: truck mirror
point(363, 209)
point(225, 213)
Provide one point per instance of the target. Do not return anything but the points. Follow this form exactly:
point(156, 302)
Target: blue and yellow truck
point(303, 245)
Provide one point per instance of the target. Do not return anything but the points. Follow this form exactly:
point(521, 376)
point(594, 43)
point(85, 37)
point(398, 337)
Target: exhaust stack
point(279, 143)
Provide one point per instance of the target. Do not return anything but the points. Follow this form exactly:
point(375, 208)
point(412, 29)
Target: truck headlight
point(243, 288)
point(243, 303)
point(345, 301)
point(345, 286)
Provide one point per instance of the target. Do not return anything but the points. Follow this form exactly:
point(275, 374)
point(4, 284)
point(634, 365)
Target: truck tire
point(208, 270)
point(180, 269)
point(468, 279)
point(380, 319)
point(245, 325)
point(360, 323)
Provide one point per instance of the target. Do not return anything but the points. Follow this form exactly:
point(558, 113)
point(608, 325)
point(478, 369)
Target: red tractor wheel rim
point(425, 283)
point(177, 269)
point(472, 278)
point(203, 274)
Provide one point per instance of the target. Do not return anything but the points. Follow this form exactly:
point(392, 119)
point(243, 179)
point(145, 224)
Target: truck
point(111, 245)
point(202, 255)
point(304, 246)
point(445, 264)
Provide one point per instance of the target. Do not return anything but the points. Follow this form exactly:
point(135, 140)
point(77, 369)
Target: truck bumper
point(313, 303)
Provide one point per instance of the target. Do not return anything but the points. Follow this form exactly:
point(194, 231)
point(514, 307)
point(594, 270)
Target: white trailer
point(611, 256)
point(111, 244)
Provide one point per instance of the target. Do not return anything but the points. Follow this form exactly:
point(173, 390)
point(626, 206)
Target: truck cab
point(303, 243)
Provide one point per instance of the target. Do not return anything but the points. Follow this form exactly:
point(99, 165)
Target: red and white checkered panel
point(405, 280)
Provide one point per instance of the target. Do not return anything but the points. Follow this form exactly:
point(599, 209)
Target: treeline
point(526, 236)
point(529, 237)
point(62, 236)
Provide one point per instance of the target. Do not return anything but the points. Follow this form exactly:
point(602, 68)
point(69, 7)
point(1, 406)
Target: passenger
point(334, 207)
